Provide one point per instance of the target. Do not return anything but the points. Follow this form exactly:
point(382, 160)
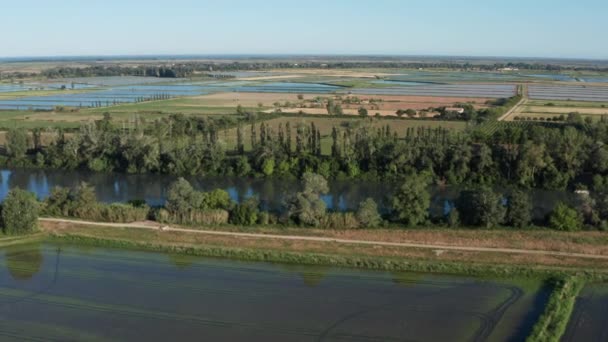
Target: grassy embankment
point(392, 257)
point(552, 324)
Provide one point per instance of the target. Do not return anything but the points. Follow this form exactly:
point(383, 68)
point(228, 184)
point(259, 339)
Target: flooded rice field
point(69, 292)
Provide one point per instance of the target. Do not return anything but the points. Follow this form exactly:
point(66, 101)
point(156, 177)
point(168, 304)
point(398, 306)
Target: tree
point(519, 209)
point(19, 212)
point(268, 167)
point(240, 144)
point(362, 111)
point(482, 207)
point(368, 215)
point(315, 184)
point(565, 218)
point(84, 200)
point(181, 198)
point(16, 143)
point(453, 218)
point(242, 167)
point(246, 213)
point(307, 207)
point(410, 113)
point(412, 201)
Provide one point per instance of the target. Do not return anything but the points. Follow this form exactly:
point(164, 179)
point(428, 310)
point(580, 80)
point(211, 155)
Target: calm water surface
point(343, 195)
point(70, 292)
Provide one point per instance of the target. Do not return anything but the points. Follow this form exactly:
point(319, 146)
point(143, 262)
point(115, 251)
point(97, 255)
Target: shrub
point(201, 217)
point(481, 207)
point(368, 215)
point(412, 200)
point(565, 218)
point(340, 221)
point(19, 212)
point(123, 213)
point(246, 213)
point(519, 209)
point(453, 218)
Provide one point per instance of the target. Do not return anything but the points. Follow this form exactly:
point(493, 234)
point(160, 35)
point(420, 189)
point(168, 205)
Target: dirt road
point(438, 248)
point(524, 99)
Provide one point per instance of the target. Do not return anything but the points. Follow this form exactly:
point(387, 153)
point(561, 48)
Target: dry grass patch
point(169, 238)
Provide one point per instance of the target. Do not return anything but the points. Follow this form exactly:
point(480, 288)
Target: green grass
point(184, 105)
point(567, 104)
point(26, 93)
point(552, 324)
point(326, 259)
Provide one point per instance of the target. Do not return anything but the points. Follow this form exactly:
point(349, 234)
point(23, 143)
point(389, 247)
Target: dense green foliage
point(246, 213)
point(186, 205)
point(306, 207)
point(19, 212)
point(482, 207)
point(16, 143)
point(565, 218)
point(552, 324)
point(81, 202)
point(519, 209)
point(522, 156)
point(411, 202)
point(367, 214)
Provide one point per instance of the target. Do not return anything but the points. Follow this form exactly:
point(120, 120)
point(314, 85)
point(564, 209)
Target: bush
point(19, 212)
point(481, 207)
point(453, 218)
point(368, 215)
point(246, 213)
point(207, 217)
point(122, 213)
point(412, 200)
point(519, 209)
point(565, 218)
point(340, 221)
point(81, 203)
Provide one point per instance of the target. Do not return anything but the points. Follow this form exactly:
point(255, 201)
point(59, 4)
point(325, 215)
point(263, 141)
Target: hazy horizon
point(439, 28)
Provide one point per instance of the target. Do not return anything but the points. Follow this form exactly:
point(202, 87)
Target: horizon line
point(33, 58)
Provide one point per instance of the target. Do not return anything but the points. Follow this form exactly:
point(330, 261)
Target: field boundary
point(436, 247)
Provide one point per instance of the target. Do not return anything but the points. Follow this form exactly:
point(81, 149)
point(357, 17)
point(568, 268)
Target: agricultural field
point(589, 321)
point(57, 290)
point(551, 109)
point(448, 90)
point(70, 102)
point(568, 92)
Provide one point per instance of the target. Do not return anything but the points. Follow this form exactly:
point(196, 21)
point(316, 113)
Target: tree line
point(188, 69)
point(409, 206)
point(573, 155)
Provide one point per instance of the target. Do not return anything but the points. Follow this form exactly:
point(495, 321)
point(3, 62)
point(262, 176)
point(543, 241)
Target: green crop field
point(326, 124)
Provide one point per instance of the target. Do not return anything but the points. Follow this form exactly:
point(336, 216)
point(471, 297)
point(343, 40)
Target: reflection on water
point(118, 295)
point(343, 195)
point(24, 264)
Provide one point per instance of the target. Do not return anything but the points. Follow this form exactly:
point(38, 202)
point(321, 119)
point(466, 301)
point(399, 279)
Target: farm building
point(454, 110)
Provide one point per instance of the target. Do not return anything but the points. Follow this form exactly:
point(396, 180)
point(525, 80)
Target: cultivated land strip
point(436, 247)
point(523, 90)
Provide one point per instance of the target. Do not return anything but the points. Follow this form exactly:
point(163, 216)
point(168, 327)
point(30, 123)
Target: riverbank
point(407, 248)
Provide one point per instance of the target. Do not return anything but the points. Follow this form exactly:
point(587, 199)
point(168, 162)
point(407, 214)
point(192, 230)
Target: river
point(343, 195)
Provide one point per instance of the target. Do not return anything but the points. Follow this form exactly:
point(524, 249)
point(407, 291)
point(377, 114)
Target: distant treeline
point(188, 69)
point(558, 157)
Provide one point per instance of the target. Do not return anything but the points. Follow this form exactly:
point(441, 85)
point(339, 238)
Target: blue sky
point(531, 28)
